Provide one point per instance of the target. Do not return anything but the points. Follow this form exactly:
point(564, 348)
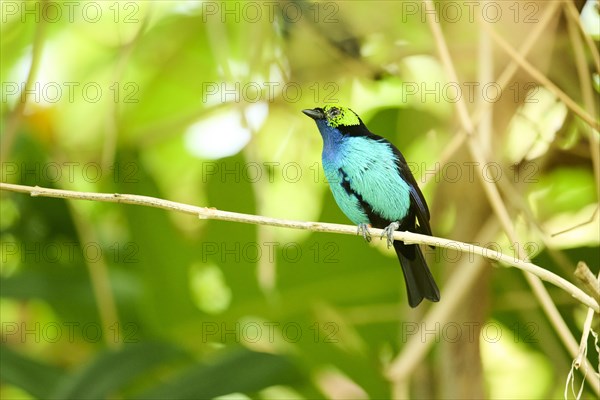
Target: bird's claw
point(388, 232)
point(363, 230)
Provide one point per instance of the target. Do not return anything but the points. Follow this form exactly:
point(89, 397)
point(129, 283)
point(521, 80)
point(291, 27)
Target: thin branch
point(585, 83)
point(111, 132)
point(99, 277)
point(573, 14)
point(542, 79)
point(503, 80)
point(15, 117)
point(477, 153)
point(213, 213)
point(572, 228)
point(583, 343)
point(587, 326)
point(588, 280)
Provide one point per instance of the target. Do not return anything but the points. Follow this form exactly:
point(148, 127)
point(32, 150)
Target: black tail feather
point(419, 281)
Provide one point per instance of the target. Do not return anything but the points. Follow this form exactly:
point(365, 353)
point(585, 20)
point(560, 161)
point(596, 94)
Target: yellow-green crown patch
point(337, 116)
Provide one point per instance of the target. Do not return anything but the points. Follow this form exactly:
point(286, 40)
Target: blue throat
point(333, 139)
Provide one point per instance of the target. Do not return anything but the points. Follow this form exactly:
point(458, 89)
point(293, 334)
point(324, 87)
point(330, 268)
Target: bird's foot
point(363, 230)
point(388, 232)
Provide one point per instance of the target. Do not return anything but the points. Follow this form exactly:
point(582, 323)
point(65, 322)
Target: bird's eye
point(334, 112)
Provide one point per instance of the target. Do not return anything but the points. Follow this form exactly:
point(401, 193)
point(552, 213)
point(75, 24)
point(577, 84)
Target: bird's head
point(334, 117)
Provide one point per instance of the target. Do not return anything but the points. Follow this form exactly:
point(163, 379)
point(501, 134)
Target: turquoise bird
point(373, 185)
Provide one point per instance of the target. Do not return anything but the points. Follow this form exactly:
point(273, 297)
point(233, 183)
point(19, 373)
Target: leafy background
point(200, 103)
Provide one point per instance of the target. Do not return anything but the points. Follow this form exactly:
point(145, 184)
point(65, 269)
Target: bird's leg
point(363, 230)
point(389, 233)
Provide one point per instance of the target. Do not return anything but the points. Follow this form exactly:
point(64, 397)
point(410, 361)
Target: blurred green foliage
point(199, 102)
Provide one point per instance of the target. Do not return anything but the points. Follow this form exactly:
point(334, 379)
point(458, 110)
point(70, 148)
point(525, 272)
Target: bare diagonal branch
point(213, 213)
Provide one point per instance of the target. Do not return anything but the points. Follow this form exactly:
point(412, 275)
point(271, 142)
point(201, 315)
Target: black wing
point(418, 203)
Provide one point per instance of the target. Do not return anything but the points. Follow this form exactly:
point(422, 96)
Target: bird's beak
point(315, 113)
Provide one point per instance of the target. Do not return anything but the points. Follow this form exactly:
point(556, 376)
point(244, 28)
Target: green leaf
point(239, 371)
point(36, 378)
point(112, 370)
